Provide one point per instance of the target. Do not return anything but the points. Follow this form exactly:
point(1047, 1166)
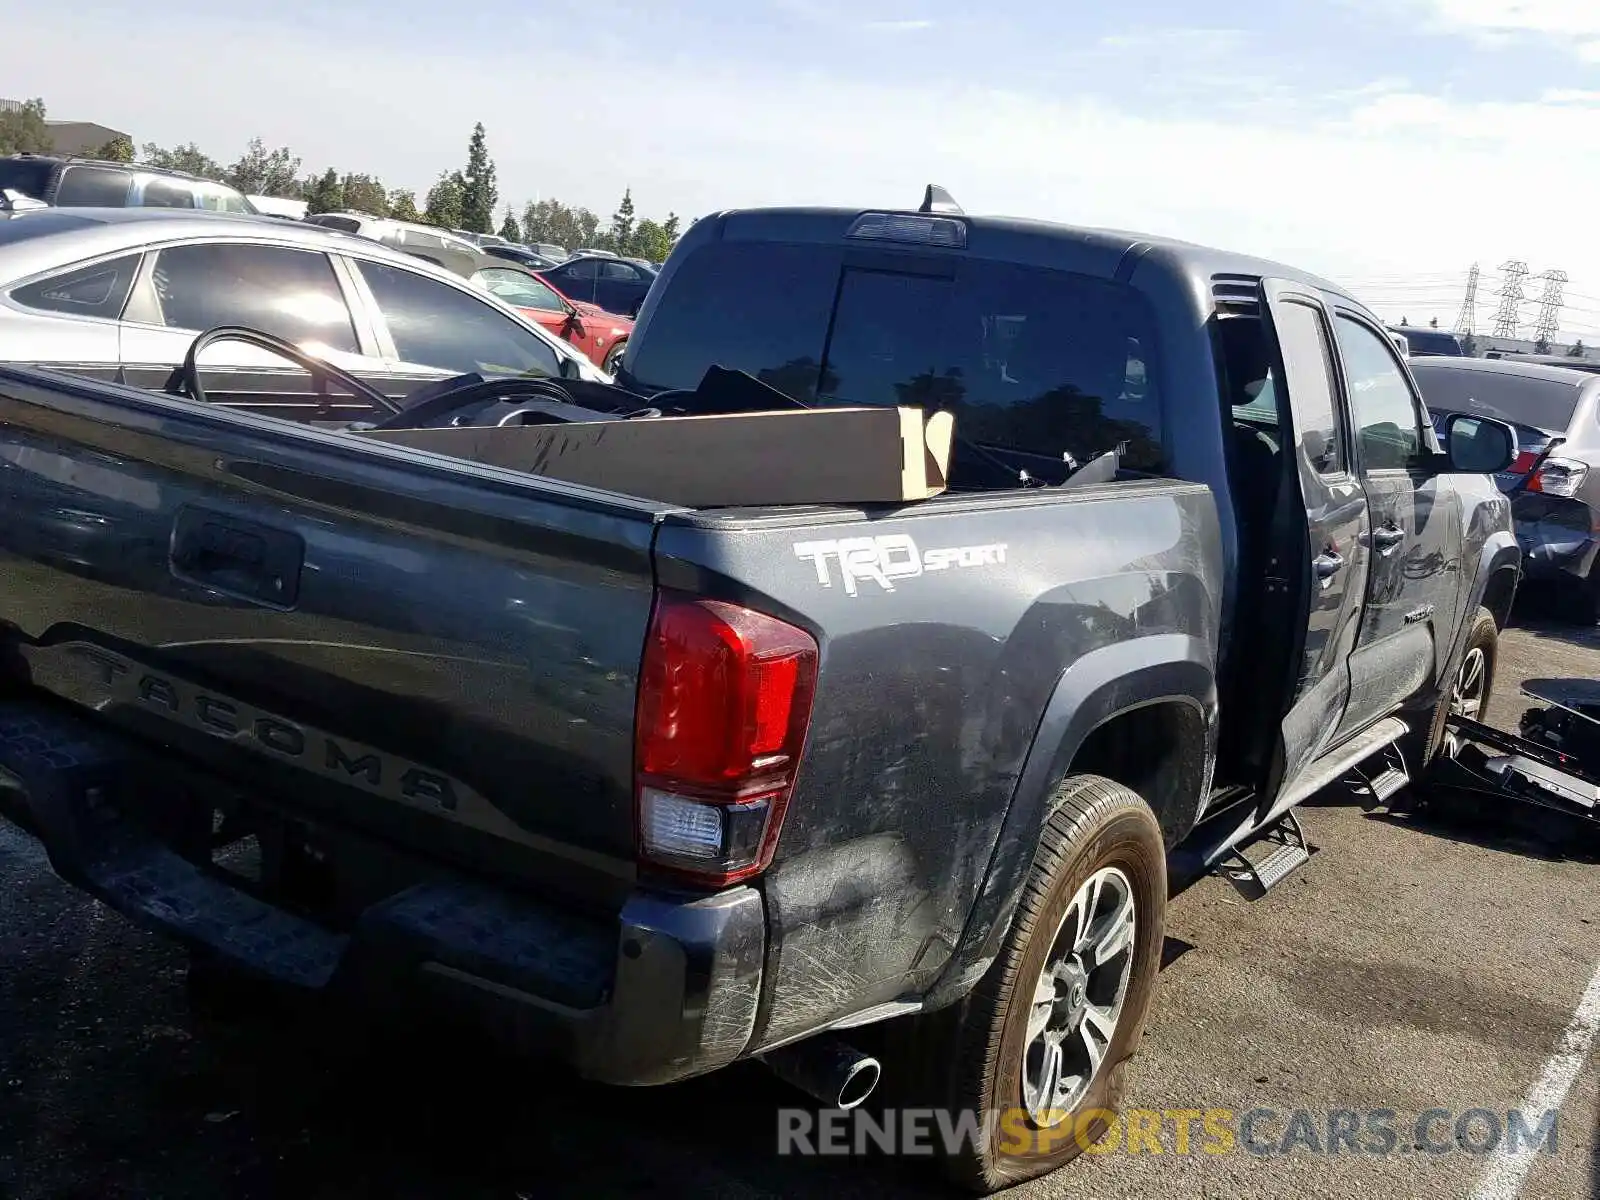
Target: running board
point(1338, 762)
point(1290, 851)
point(1214, 840)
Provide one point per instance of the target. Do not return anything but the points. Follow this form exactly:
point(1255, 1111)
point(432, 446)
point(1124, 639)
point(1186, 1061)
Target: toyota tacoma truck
point(654, 789)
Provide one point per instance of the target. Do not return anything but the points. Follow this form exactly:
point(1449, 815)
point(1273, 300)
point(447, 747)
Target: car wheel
point(1470, 690)
point(614, 358)
point(1039, 1049)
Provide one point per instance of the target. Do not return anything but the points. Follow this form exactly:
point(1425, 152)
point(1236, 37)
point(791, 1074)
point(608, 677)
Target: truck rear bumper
point(665, 989)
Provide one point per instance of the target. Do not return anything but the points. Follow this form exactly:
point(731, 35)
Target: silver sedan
point(124, 292)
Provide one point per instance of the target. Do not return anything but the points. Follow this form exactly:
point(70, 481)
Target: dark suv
point(92, 183)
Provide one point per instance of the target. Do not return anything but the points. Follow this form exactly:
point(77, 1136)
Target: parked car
point(601, 335)
point(615, 285)
point(1426, 342)
point(65, 182)
point(660, 789)
point(1565, 361)
point(523, 256)
point(425, 241)
point(550, 250)
point(1557, 509)
point(125, 291)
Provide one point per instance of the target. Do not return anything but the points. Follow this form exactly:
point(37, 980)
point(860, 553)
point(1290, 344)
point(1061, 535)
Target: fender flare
point(1103, 684)
point(1500, 553)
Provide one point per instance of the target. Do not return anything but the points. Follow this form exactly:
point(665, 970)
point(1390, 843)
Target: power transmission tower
point(1468, 317)
point(1550, 301)
point(1509, 313)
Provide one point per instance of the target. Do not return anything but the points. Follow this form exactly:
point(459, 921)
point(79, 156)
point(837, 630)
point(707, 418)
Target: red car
point(601, 336)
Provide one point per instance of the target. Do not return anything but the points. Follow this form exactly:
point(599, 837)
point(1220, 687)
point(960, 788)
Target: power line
point(1467, 317)
point(1511, 297)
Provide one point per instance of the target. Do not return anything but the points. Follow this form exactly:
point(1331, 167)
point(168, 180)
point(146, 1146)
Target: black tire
point(1483, 639)
point(975, 1050)
point(613, 358)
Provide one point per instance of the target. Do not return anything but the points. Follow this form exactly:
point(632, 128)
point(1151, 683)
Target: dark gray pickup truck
point(654, 790)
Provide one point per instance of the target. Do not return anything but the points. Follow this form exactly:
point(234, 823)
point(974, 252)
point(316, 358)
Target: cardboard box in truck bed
point(810, 456)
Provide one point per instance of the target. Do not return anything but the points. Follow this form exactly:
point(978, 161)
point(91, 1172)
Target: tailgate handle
point(238, 557)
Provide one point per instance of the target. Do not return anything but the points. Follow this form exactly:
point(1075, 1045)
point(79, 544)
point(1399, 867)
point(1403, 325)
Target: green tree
point(1433, 323)
point(1579, 350)
point(670, 228)
point(1404, 323)
point(189, 158)
point(509, 229)
point(554, 222)
point(478, 192)
point(443, 206)
point(24, 131)
point(1469, 345)
point(650, 241)
point(403, 205)
point(363, 193)
point(262, 173)
point(621, 237)
point(118, 149)
point(326, 194)
point(1542, 346)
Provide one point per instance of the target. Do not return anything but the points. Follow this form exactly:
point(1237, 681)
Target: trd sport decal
point(888, 558)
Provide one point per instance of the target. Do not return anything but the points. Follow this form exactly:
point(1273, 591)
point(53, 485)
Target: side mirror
point(1479, 445)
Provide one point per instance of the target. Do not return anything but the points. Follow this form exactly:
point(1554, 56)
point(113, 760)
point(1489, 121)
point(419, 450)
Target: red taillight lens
point(724, 702)
point(1524, 462)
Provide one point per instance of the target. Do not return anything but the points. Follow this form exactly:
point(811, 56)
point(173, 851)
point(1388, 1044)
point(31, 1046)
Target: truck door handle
point(239, 557)
point(1328, 564)
point(1387, 537)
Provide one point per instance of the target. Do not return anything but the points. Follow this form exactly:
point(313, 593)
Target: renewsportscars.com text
point(1264, 1132)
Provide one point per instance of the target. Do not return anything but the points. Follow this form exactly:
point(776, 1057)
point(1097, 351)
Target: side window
point(436, 325)
point(588, 269)
point(93, 187)
point(1381, 402)
point(291, 293)
point(94, 291)
point(619, 270)
point(342, 224)
point(168, 193)
point(1309, 364)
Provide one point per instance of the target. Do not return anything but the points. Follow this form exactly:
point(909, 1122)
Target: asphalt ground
point(1416, 963)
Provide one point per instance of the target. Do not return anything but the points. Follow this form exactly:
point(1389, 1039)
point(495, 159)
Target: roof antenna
point(937, 200)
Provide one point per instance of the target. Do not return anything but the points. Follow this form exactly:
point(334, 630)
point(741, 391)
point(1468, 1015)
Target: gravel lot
point(1411, 965)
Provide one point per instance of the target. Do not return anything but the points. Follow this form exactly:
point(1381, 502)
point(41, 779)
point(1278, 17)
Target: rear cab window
point(1049, 366)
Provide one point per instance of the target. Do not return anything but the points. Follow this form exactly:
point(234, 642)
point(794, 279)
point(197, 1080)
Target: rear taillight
point(1559, 477)
point(724, 702)
point(1524, 462)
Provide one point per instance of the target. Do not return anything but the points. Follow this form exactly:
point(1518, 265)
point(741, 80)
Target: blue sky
point(1389, 143)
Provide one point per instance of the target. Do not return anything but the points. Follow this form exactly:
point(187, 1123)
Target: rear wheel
point(613, 359)
point(1039, 1049)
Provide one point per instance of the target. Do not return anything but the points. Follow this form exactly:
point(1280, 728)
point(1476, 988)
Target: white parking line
point(1509, 1169)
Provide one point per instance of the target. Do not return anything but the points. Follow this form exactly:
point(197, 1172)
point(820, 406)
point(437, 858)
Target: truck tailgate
point(441, 653)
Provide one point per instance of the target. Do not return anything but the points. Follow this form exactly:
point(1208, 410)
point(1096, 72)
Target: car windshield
point(1030, 360)
point(1543, 404)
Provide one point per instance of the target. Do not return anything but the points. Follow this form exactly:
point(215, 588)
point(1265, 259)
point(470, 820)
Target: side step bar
point(1290, 851)
point(1216, 839)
